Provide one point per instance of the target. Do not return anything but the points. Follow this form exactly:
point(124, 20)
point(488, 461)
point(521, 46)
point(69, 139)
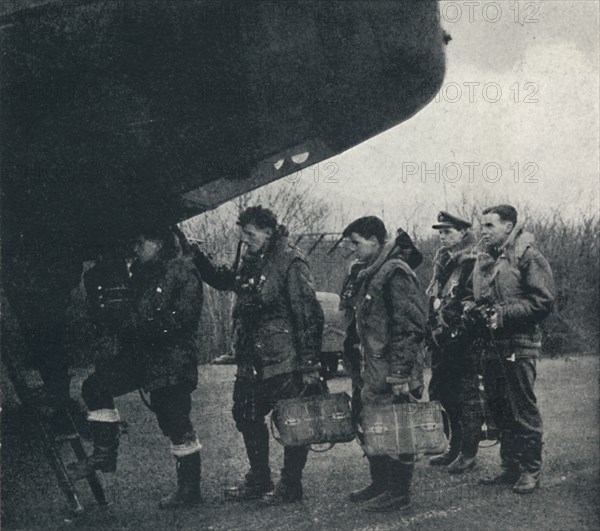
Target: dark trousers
point(510, 395)
point(455, 384)
point(253, 399)
point(172, 405)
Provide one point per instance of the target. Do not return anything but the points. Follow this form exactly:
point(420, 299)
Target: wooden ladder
point(51, 446)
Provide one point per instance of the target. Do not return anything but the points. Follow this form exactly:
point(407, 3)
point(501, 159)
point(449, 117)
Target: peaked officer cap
point(447, 221)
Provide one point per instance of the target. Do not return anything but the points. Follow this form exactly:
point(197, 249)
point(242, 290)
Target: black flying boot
point(449, 455)
point(187, 493)
point(257, 481)
point(289, 488)
point(396, 497)
point(377, 486)
point(509, 463)
point(453, 446)
point(255, 485)
point(462, 464)
point(287, 491)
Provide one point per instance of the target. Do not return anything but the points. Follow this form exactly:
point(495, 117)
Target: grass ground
point(568, 396)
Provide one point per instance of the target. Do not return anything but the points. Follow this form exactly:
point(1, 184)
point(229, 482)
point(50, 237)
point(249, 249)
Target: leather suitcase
point(400, 429)
point(310, 420)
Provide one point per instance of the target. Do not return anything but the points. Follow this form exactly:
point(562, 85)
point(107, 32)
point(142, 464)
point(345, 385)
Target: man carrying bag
point(278, 328)
point(391, 325)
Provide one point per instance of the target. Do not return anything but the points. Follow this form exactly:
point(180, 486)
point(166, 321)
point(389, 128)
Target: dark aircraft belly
point(116, 113)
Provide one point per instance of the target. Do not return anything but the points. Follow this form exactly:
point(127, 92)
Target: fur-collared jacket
point(391, 322)
point(451, 287)
point(278, 321)
point(517, 281)
point(167, 303)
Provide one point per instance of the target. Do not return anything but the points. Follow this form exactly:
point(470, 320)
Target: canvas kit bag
point(415, 428)
point(320, 419)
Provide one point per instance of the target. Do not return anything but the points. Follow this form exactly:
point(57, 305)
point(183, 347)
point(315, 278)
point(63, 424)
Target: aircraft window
point(300, 157)
point(279, 164)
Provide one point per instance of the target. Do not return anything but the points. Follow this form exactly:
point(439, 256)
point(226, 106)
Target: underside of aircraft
point(117, 115)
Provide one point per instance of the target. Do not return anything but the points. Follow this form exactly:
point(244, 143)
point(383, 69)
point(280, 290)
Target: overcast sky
point(542, 128)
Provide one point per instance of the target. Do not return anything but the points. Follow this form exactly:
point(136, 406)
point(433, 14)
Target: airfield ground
point(568, 499)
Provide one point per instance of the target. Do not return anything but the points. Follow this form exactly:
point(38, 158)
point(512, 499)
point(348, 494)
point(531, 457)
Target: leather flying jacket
point(278, 321)
point(518, 280)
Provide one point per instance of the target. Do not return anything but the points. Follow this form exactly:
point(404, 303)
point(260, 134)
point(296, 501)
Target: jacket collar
point(278, 242)
point(386, 252)
point(518, 240)
point(407, 249)
point(515, 245)
point(275, 245)
point(462, 251)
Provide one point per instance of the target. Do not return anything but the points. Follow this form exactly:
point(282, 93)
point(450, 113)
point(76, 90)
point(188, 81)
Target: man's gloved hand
point(399, 385)
point(199, 257)
point(495, 318)
point(183, 240)
point(469, 306)
point(401, 389)
point(481, 315)
point(311, 378)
